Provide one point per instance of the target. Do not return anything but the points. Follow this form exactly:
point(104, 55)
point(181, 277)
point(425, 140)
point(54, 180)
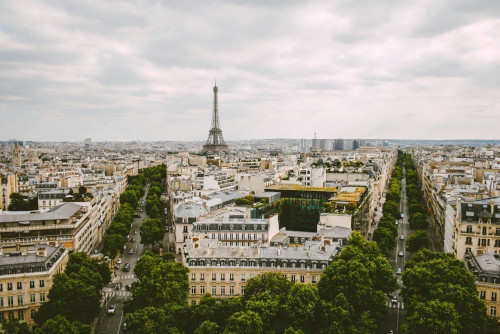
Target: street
point(396, 313)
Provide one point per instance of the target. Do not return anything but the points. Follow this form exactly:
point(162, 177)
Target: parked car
point(394, 300)
point(135, 231)
point(111, 309)
point(399, 271)
point(133, 240)
point(131, 251)
point(127, 267)
point(124, 327)
point(401, 237)
point(400, 254)
point(119, 261)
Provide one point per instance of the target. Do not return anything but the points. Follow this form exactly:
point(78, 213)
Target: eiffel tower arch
point(215, 143)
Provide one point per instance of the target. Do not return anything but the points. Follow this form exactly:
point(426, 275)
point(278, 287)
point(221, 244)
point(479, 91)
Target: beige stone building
point(68, 224)
point(223, 271)
point(486, 270)
point(477, 227)
point(26, 278)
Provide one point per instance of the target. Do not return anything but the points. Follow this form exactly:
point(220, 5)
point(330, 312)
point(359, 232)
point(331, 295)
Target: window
point(243, 277)
point(19, 285)
point(483, 242)
point(32, 313)
point(284, 276)
point(223, 290)
point(493, 311)
point(302, 279)
point(252, 275)
point(469, 228)
point(313, 280)
point(494, 296)
point(293, 278)
point(202, 277)
point(20, 300)
point(497, 231)
point(214, 291)
point(193, 290)
point(497, 243)
point(41, 283)
point(1, 287)
point(468, 240)
point(231, 277)
point(482, 294)
point(1, 303)
point(222, 277)
point(20, 315)
point(32, 284)
point(202, 289)
point(42, 297)
point(193, 302)
point(9, 286)
point(11, 315)
point(485, 231)
point(32, 298)
point(242, 290)
point(184, 229)
point(214, 277)
point(10, 300)
point(231, 290)
point(193, 277)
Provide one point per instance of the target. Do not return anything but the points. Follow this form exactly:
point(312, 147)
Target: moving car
point(111, 309)
point(400, 254)
point(127, 267)
point(118, 286)
point(131, 251)
point(399, 271)
point(401, 237)
point(394, 300)
point(133, 239)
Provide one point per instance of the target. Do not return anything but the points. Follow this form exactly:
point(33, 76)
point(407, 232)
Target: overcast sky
point(127, 70)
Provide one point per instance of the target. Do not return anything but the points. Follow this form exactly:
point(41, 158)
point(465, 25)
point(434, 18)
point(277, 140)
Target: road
point(396, 313)
point(106, 323)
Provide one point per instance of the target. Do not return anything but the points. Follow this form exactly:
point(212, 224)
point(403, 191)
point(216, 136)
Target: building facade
point(26, 278)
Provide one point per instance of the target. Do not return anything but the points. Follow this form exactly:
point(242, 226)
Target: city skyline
point(144, 70)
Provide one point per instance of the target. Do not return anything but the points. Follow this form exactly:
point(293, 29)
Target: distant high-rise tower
point(215, 143)
point(17, 155)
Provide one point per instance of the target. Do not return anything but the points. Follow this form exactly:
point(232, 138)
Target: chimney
point(309, 251)
point(492, 207)
point(279, 250)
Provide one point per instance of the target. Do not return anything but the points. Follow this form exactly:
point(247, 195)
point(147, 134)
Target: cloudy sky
point(127, 70)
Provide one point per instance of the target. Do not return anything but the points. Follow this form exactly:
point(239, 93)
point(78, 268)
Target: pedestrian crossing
point(111, 294)
point(122, 277)
point(394, 305)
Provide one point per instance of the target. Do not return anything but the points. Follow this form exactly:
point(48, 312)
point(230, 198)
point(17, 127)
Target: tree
point(152, 232)
point(418, 221)
point(273, 283)
point(438, 276)
point(19, 202)
point(207, 327)
point(71, 298)
point(166, 282)
point(82, 190)
point(385, 239)
point(15, 327)
point(418, 240)
point(129, 196)
point(392, 208)
point(244, 323)
point(302, 307)
point(431, 317)
point(61, 325)
point(112, 244)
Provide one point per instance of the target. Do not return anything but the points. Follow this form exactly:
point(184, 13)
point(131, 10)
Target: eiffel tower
point(215, 143)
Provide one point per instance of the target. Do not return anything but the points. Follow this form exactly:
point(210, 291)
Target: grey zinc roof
point(489, 262)
point(190, 210)
point(60, 212)
point(9, 260)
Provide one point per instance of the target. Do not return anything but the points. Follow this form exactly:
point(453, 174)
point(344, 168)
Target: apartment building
point(477, 227)
point(26, 278)
point(233, 229)
point(486, 271)
point(68, 224)
point(223, 270)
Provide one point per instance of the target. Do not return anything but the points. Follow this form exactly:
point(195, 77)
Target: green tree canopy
point(418, 240)
point(152, 232)
point(244, 323)
point(61, 325)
